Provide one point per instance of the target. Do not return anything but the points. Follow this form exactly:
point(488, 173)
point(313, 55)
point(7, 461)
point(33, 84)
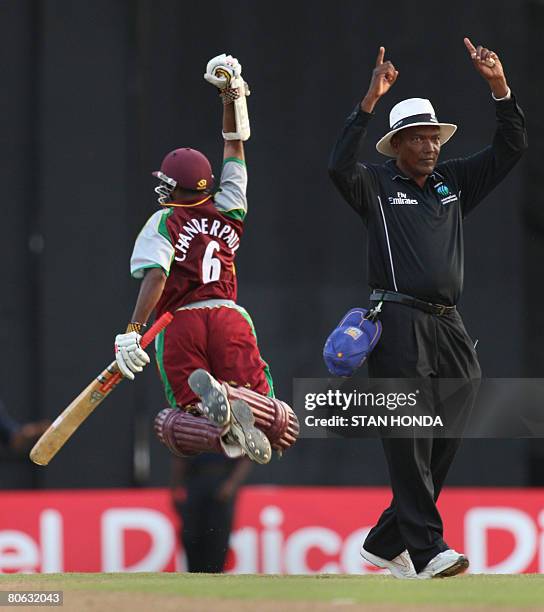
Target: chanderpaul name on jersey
point(205, 226)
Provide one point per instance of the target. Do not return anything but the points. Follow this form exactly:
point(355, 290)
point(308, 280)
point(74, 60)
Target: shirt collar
point(396, 173)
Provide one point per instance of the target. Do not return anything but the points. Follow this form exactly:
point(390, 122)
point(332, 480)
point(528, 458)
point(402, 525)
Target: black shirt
point(415, 235)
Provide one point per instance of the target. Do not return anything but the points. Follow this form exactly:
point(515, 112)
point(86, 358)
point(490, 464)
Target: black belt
point(400, 298)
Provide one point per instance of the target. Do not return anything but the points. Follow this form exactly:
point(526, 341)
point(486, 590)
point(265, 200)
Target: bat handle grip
point(156, 328)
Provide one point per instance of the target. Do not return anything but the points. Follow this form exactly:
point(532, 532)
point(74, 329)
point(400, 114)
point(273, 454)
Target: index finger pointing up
point(471, 48)
point(379, 59)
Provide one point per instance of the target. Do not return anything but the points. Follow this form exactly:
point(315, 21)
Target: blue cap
point(351, 342)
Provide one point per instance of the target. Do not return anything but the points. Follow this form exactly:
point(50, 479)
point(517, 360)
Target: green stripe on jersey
point(238, 214)
point(234, 159)
point(163, 230)
point(159, 348)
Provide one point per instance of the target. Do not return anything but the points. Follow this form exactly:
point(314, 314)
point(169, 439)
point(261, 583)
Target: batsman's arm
point(150, 292)
point(129, 355)
point(231, 197)
point(232, 148)
point(225, 73)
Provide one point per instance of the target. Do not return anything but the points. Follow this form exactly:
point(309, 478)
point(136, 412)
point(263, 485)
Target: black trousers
point(415, 344)
point(206, 524)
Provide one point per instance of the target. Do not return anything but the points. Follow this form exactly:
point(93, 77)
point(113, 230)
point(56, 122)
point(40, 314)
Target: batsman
point(218, 387)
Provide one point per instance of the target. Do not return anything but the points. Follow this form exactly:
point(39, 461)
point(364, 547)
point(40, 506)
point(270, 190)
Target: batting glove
point(219, 67)
point(130, 356)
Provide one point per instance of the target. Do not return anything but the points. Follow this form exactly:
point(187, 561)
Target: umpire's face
point(417, 149)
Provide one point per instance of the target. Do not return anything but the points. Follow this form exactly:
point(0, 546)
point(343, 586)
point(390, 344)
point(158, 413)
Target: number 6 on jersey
point(211, 266)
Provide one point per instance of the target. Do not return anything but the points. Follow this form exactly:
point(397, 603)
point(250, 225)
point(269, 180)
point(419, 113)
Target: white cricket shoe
point(445, 564)
point(401, 566)
point(243, 430)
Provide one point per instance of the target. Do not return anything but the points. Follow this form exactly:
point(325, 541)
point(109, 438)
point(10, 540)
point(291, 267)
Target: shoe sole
point(252, 440)
point(214, 399)
point(460, 566)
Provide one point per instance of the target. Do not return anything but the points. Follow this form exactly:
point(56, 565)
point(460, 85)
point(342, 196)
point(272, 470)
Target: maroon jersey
point(196, 244)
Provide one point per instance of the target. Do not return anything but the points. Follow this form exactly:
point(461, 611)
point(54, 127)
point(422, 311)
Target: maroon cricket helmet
point(186, 168)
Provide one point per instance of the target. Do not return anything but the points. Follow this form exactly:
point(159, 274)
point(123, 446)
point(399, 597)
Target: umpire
point(413, 209)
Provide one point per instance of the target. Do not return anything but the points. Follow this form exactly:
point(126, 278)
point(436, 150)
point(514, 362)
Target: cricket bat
point(73, 416)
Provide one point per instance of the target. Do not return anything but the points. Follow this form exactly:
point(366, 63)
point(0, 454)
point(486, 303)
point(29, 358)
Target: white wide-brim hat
point(409, 113)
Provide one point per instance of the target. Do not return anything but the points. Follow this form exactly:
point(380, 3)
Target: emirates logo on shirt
point(402, 199)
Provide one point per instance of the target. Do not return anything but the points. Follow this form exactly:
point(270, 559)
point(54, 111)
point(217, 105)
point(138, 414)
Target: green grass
point(493, 591)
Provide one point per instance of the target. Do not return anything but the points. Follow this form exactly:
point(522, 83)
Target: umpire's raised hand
point(488, 64)
point(383, 77)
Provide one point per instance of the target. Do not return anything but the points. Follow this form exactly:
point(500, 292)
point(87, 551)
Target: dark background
point(95, 93)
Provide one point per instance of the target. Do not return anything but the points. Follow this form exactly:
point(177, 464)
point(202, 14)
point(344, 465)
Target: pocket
point(467, 337)
point(459, 333)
